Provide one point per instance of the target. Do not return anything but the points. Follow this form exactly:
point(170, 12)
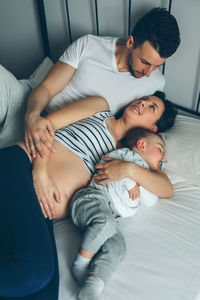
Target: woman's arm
point(77, 110)
point(58, 77)
point(156, 182)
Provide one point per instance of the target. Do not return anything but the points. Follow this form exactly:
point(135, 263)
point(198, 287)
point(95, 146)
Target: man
point(116, 69)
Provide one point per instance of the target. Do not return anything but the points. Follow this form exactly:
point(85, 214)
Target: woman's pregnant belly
point(68, 172)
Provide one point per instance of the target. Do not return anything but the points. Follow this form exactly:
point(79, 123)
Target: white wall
point(20, 38)
point(183, 68)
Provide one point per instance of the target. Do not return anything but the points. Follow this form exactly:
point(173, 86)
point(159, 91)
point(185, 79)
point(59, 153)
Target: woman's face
point(144, 112)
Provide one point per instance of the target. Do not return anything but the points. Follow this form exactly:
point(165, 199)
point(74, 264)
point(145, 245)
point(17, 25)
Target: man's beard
point(129, 63)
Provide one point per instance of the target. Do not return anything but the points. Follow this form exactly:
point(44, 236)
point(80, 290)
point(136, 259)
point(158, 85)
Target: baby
point(97, 208)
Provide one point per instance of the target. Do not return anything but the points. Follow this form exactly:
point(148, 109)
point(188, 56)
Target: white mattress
point(163, 251)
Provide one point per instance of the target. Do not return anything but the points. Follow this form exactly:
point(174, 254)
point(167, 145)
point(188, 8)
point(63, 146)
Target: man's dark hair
point(134, 135)
point(160, 28)
point(167, 119)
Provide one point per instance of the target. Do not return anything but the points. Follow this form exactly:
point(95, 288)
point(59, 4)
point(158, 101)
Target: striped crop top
point(88, 138)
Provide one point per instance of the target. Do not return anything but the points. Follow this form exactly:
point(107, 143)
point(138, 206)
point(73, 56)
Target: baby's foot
point(92, 288)
point(80, 268)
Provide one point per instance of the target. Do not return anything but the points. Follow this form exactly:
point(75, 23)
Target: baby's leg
point(91, 213)
point(108, 257)
point(102, 267)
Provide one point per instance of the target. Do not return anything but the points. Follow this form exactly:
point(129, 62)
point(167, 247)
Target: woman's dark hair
point(160, 28)
point(120, 112)
point(133, 135)
point(167, 119)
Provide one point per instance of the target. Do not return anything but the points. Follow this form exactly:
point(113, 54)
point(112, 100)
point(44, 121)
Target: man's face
point(143, 60)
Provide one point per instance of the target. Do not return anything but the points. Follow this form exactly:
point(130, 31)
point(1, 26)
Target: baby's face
point(154, 151)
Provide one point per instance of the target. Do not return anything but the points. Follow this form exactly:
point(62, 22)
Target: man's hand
point(112, 170)
point(47, 193)
point(35, 127)
point(134, 192)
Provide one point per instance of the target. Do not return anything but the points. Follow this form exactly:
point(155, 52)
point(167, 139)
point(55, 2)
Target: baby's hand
point(134, 192)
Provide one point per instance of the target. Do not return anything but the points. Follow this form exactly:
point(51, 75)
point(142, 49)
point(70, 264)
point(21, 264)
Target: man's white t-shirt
point(96, 74)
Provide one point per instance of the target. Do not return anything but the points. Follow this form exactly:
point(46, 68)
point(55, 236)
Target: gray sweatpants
point(92, 212)
point(13, 102)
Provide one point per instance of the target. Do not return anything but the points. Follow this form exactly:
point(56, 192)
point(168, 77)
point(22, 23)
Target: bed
point(163, 242)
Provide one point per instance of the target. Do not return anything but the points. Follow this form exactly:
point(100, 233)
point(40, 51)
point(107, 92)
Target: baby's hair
point(133, 135)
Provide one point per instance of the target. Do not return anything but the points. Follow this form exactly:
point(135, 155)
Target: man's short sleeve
point(75, 52)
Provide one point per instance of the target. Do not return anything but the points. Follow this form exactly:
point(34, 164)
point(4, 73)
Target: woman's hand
point(35, 127)
point(47, 193)
point(112, 170)
point(156, 182)
point(134, 192)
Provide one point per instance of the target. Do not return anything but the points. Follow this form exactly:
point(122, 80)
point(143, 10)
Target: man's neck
point(121, 53)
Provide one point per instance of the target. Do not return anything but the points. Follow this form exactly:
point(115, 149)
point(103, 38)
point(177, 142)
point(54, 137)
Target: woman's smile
point(135, 106)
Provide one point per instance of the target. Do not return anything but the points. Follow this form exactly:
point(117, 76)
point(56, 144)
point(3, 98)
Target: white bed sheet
point(163, 251)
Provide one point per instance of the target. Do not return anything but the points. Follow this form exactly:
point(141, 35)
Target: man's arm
point(58, 77)
point(71, 113)
point(156, 182)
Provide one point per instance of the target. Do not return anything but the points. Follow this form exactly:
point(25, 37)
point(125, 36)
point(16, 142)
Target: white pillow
point(13, 101)
point(183, 149)
point(40, 72)
point(13, 98)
